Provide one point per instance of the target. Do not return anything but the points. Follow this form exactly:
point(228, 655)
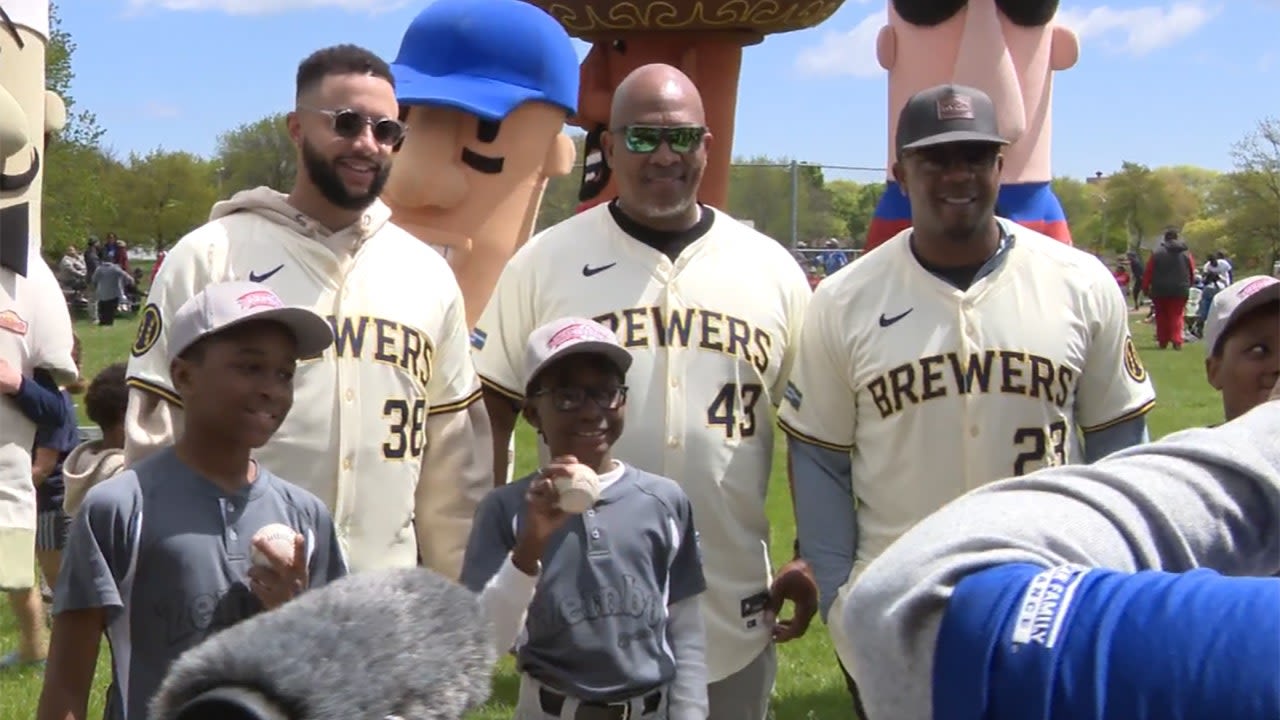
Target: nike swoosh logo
point(887, 321)
point(260, 278)
point(588, 271)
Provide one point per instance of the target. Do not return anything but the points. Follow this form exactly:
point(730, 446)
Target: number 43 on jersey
point(734, 409)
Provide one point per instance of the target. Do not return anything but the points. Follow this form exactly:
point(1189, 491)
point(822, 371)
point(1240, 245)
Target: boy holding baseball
point(589, 567)
point(160, 556)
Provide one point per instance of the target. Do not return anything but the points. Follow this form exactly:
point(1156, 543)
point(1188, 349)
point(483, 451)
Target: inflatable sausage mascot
point(1007, 48)
point(35, 326)
point(703, 38)
point(485, 87)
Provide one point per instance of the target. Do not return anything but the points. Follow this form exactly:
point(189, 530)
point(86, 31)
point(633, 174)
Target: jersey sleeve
point(100, 548)
point(819, 400)
point(798, 294)
point(326, 562)
point(187, 269)
point(1114, 384)
point(686, 575)
point(453, 384)
point(492, 538)
point(503, 330)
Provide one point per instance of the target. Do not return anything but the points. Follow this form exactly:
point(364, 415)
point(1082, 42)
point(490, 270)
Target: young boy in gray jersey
point(159, 556)
point(602, 607)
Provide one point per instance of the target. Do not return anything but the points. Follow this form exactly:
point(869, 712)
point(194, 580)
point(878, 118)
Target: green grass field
point(809, 685)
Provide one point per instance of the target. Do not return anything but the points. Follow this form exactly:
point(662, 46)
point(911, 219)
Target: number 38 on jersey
point(407, 432)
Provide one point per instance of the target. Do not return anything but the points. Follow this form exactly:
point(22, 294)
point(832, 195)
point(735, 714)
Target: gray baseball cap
point(571, 336)
point(1232, 302)
point(947, 114)
point(222, 306)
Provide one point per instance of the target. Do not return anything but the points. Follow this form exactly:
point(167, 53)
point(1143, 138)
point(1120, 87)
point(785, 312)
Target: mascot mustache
point(21, 181)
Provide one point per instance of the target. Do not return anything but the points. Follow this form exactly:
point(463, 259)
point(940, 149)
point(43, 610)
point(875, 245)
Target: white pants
point(529, 705)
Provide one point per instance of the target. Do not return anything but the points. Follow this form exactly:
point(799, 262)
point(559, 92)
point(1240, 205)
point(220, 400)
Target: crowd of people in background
point(98, 282)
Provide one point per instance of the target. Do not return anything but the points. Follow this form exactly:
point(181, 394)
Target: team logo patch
point(148, 330)
point(793, 395)
point(578, 332)
point(13, 322)
point(478, 338)
point(1132, 363)
point(259, 299)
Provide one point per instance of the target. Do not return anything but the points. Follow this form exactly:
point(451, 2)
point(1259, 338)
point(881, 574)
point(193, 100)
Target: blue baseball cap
point(486, 57)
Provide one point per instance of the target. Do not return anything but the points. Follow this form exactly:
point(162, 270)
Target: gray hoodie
point(1199, 498)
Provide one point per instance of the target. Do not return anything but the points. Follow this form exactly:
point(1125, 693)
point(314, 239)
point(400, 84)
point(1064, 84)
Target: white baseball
point(580, 490)
point(279, 540)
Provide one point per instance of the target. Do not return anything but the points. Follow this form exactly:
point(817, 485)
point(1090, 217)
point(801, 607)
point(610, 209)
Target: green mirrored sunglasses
point(646, 138)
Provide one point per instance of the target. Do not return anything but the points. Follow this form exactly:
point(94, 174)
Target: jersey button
point(675, 382)
point(673, 442)
point(351, 395)
point(595, 534)
point(973, 431)
point(591, 513)
point(346, 463)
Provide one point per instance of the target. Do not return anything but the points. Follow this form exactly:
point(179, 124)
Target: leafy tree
point(169, 193)
point(254, 154)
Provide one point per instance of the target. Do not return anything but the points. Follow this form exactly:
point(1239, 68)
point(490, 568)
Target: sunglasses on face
point(349, 124)
point(644, 139)
point(568, 398)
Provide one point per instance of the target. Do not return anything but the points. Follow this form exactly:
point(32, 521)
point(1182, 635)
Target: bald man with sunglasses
point(386, 426)
point(710, 360)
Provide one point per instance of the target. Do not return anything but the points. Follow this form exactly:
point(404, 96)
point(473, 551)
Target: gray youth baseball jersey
point(596, 628)
point(172, 581)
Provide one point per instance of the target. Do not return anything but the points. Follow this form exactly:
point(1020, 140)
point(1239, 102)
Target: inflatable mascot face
point(1007, 48)
point(35, 327)
point(485, 87)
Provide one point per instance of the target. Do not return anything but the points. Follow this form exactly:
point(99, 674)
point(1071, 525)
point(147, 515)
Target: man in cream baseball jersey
point(963, 351)
point(709, 310)
point(386, 426)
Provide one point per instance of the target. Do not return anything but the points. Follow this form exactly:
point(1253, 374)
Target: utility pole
point(795, 203)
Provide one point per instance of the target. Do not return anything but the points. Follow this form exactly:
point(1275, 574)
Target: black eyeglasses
point(645, 139)
point(568, 399)
point(348, 123)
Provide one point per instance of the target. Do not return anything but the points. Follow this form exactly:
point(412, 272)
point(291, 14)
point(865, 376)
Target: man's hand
point(794, 582)
point(285, 579)
point(542, 515)
point(10, 378)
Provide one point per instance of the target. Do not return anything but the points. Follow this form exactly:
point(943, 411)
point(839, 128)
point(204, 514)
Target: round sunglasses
point(645, 139)
point(348, 124)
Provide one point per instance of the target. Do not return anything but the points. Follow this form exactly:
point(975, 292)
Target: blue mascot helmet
point(486, 57)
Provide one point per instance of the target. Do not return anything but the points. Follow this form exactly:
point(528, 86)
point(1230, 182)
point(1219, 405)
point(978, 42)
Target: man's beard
point(324, 175)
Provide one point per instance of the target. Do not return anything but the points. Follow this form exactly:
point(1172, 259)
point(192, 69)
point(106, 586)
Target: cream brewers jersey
point(711, 335)
point(936, 391)
point(358, 433)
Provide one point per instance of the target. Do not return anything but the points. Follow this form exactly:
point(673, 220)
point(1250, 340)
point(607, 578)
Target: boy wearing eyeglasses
point(600, 607)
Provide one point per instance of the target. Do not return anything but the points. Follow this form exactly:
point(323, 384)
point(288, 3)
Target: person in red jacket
point(1122, 278)
point(1167, 281)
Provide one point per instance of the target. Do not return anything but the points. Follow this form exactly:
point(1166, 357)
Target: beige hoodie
point(88, 464)
point(385, 428)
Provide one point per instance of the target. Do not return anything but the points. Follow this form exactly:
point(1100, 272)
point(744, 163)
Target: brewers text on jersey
point(389, 342)
point(1016, 373)
point(697, 328)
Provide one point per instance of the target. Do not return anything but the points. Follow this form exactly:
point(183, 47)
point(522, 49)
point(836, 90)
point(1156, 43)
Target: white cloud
point(267, 7)
point(160, 110)
point(851, 52)
point(1139, 30)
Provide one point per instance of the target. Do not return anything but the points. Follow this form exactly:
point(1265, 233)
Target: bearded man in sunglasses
point(386, 426)
point(667, 275)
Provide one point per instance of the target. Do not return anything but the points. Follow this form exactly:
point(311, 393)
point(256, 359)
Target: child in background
point(159, 555)
point(93, 461)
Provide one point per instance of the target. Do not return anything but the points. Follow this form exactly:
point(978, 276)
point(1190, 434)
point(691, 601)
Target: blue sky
point(1159, 82)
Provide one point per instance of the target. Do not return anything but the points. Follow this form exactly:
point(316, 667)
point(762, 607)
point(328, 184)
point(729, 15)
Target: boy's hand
point(10, 379)
point(542, 516)
point(283, 580)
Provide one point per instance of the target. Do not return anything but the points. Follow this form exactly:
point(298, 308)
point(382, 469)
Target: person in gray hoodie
point(1142, 586)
